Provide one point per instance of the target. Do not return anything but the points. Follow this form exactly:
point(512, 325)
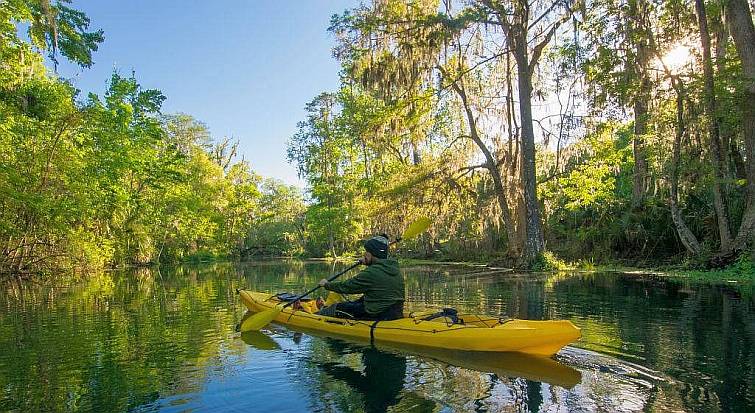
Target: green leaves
point(592, 182)
point(73, 39)
point(52, 27)
point(111, 181)
point(278, 222)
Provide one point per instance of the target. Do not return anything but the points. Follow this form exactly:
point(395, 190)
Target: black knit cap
point(377, 246)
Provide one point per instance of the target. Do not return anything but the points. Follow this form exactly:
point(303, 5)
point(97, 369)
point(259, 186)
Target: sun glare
point(677, 58)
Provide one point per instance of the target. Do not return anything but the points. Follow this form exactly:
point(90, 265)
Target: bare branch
point(538, 50)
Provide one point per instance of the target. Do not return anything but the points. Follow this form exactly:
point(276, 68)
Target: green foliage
point(597, 164)
point(110, 180)
point(53, 27)
point(590, 215)
point(279, 225)
point(547, 261)
point(324, 151)
point(425, 98)
point(743, 270)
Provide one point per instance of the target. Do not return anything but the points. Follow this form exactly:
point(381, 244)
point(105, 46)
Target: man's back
point(387, 288)
point(381, 283)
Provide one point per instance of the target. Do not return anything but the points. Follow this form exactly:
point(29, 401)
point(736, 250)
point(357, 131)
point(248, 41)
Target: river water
point(164, 340)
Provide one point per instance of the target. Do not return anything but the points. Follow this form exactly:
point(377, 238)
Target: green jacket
point(381, 283)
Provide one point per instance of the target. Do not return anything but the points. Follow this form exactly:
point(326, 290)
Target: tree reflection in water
point(381, 381)
point(345, 376)
point(143, 339)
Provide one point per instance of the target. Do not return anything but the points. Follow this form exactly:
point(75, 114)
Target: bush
point(547, 261)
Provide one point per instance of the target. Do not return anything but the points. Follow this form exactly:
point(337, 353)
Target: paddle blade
point(416, 228)
point(259, 320)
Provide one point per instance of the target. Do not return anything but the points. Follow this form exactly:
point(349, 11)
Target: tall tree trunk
point(719, 196)
point(514, 169)
point(639, 187)
point(728, 141)
point(491, 163)
point(535, 243)
point(685, 235)
point(514, 19)
point(742, 30)
point(638, 36)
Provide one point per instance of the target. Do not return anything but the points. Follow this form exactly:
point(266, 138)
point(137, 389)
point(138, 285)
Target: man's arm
point(357, 285)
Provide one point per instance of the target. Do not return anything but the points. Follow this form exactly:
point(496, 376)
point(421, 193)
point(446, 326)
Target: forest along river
point(149, 339)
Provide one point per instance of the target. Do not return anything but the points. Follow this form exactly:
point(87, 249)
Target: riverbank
point(742, 271)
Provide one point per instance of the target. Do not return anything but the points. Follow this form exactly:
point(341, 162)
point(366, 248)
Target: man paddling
point(381, 284)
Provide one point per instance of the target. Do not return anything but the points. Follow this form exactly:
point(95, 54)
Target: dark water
point(164, 340)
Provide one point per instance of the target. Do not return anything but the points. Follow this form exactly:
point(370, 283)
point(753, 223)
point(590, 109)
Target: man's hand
point(323, 282)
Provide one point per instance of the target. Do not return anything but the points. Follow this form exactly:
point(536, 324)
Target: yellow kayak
point(471, 333)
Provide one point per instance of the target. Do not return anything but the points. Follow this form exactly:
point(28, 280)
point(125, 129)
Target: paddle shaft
point(332, 277)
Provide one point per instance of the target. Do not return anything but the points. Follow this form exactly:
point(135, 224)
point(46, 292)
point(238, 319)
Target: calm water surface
point(148, 340)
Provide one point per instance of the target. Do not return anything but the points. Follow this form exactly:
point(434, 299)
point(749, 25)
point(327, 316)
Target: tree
point(320, 151)
point(416, 40)
point(740, 23)
point(278, 227)
point(716, 152)
point(522, 27)
point(54, 28)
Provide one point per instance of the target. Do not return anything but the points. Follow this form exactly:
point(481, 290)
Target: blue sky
point(245, 68)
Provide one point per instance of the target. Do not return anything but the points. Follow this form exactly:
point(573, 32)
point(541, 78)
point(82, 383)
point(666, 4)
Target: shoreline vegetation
point(742, 272)
point(581, 143)
point(740, 278)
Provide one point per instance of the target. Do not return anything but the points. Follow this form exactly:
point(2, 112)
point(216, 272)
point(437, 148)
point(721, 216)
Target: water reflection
point(380, 381)
point(353, 377)
point(510, 365)
point(143, 340)
point(259, 340)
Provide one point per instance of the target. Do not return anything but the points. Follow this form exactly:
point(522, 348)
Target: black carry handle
point(332, 277)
